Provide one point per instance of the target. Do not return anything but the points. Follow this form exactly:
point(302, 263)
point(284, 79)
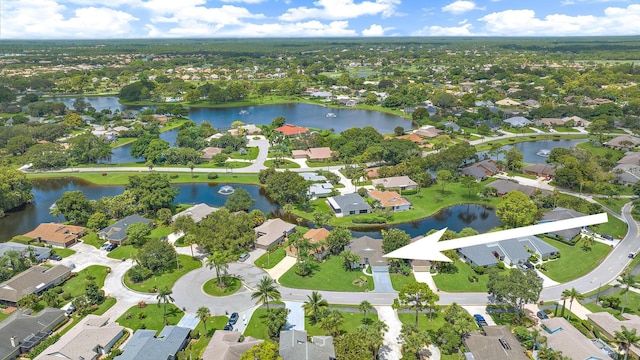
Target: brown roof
point(372, 173)
point(616, 142)
point(224, 345)
point(388, 198)
point(429, 133)
point(321, 153)
point(542, 169)
point(210, 152)
point(413, 137)
point(315, 235)
point(271, 231)
point(31, 281)
point(53, 232)
point(630, 158)
point(290, 129)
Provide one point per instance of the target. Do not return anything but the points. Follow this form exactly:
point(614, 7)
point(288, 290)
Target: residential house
point(503, 187)
point(369, 250)
point(395, 183)
point(428, 131)
point(507, 102)
point(22, 331)
point(349, 204)
point(627, 142)
point(608, 324)
point(518, 121)
point(626, 174)
point(59, 235)
point(560, 213)
point(413, 137)
point(248, 129)
point(482, 169)
point(272, 232)
point(226, 345)
point(494, 343)
point(294, 345)
point(562, 336)
point(577, 121)
point(144, 345)
point(320, 190)
point(550, 122)
point(540, 170)
point(313, 154)
point(117, 233)
point(35, 280)
point(91, 338)
point(451, 125)
point(312, 176)
point(390, 200)
point(512, 251)
point(209, 152)
point(531, 103)
point(291, 130)
point(316, 238)
point(196, 212)
point(40, 253)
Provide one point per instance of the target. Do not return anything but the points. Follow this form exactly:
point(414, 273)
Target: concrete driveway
point(391, 347)
point(381, 279)
point(482, 310)
point(295, 319)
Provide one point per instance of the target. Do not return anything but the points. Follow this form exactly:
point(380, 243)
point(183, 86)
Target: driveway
point(282, 267)
point(381, 279)
point(482, 310)
point(295, 319)
point(263, 150)
point(391, 348)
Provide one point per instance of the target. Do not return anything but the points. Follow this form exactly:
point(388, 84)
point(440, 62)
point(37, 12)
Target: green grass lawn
point(424, 323)
point(167, 279)
point(256, 326)
point(196, 347)
point(92, 239)
point(63, 252)
point(615, 227)
point(123, 252)
point(76, 285)
point(152, 318)
point(268, 261)
point(284, 164)
point(565, 129)
point(232, 285)
point(601, 150)
point(351, 322)
point(329, 275)
point(574, 261)
point(160, 231)
point(459, 281)
point(632, 304)
point(614, 204)
point(122, 178)
point(399, 280)
point(251, 154)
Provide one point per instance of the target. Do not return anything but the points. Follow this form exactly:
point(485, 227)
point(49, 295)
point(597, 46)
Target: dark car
point(607, 236)
point(110, 247)
point(228, 327)
point(542, 315)
point(233, 319)
point(244, 257)
point(55, 257)
point(480, 320)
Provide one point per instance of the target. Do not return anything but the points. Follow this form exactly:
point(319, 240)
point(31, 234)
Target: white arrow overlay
point(430, 247)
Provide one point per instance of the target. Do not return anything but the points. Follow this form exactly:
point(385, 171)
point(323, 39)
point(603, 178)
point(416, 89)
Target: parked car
point(111, 247)
point(633, 254)
point(542, 315)
point(480, 320)
point(55, 257)
point(244, 257)
point(228, 327)
point(607, 236)
point(233, 319)
point(70, 310)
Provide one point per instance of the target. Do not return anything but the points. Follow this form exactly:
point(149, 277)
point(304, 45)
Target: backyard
point(329, 275)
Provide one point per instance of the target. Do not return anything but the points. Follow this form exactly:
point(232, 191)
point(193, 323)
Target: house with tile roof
point(272, 232)
point(316, 238)
point(627, 142)
point(226, 345)
point(395, 183)
point(390, 200)
point(291, 130)
point(196, 212)
point(55, 234)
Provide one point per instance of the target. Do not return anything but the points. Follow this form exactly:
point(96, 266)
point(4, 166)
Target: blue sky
point(108, 19)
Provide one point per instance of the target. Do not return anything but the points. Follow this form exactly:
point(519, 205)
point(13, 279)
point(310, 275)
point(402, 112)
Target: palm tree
point(564, 297)
point(191, 165)
point(315, 305)
point(536, 337)
point(374, 335)
point(626, 338)
point(219, 262)
point(332, 322)
point(266, 290)
point(203, 314)
point(50, 297)
point(627, 281)
point(365, 307)
point(164, 297)
point(547, 353)
point(190, 239)
point(572, 294)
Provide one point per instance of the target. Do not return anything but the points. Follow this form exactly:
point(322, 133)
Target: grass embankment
point(122, 178)
point(574, 261)
point(232, 284)
point(150, 317)
point(269, 260)
point(166, 279)
point(329, 275)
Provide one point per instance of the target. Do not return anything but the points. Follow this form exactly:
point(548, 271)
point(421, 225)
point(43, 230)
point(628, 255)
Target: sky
point(121, 19)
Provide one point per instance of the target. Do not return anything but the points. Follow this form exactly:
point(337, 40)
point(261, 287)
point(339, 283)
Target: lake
point(46, 192)
point(530, 149)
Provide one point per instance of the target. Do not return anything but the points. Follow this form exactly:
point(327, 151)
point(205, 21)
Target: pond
point(530, 149)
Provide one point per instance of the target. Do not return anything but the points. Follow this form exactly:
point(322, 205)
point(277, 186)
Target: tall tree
point(152, 191)
point(394, 239)
point(627, 281)
point(332, 322)
point(515, 288)
point(240, 200)
point(266, 350)
point(415, 296)
point(75, 207)
point(365, 307)
point(15, 189)
point(626, 338)
point(203, 314)
point(219, 261)
point(339, 238)
point(315, 306)
point(572, 294)
point(164, 297)
point(265, 291)
point(443, 177)
point(516, 210)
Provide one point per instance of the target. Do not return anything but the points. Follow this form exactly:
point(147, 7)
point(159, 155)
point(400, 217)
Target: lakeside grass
point(486, 145)
point(122, 178)
point(329, 275)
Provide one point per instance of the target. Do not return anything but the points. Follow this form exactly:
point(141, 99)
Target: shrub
point(104, 174)
point(194, 334)
point(142, 316)
point(479, 270)
point(501, 265)
point(139, 273)
point(212, 176)
point(142, 304)
point(173, 176)
point(472, 278)
point(43, 345)
point(66, 295)
point(375, 220)
point(362, 192)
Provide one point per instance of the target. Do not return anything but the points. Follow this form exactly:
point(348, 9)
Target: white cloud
point(461, 7)
point(464, 30)
point(106, 3)
point(615, 21)
point(376, 30)
point(341, 9)
point(45, 19)
point(244, 1)
point(225, 15)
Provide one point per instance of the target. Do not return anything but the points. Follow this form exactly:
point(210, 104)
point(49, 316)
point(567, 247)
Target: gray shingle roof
point(33, 280)
point(351, 202)
point(488, 347)
point(474, 171)
point(22, 325)
point(560, 213)
point(143, 345)
point(196, 212)
point(118, 231)
point(41, 253)
point(480, 255)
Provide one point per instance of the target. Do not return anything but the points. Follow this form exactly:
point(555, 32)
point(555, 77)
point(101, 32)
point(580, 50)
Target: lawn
point(459, 281)
point(574, 261)
point(632, 305)
point(160, 231)
point(63, 252)
point(167, 279)
point(251, 154)
point(256, 326)
point(196, 347)
point(284, 164)
point(149, 317)
point(423, 320)
point(123, 252)
point(329, 275)
point(233, 284)
point(122, 178)
point(76, 285)
point(351, 322)
point(614, 203)
point(601, 150)
point(268, 261)
point(399, 280)
point(92, 239)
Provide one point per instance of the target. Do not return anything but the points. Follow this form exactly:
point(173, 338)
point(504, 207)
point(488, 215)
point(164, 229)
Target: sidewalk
point(282, 267)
